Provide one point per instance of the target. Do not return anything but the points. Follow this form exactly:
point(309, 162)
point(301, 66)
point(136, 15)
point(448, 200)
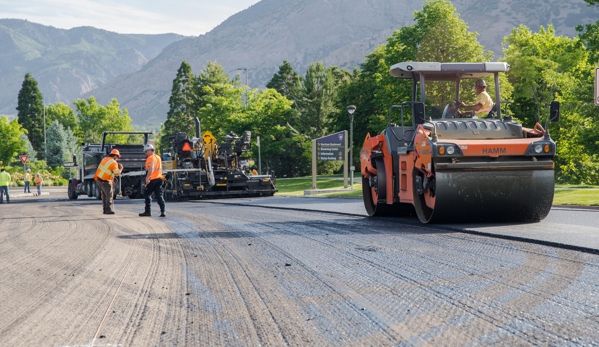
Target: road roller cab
point(449, 166)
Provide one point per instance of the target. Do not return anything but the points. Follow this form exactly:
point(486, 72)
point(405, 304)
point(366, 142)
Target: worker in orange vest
point(105, 174)
point(154, 182)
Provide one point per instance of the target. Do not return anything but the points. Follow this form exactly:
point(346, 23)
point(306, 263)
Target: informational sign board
point(24, 158)
point(597, 86)
point(69, 165)
point(331, 147)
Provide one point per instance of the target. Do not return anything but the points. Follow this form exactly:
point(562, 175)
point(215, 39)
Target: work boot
point(109, 212)
point(162, 214)
point(145, 214)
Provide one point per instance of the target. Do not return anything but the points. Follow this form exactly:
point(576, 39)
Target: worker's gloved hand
point(120, 166)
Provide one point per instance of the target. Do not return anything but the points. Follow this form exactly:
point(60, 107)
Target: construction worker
point(4, 183)
point(38, 183)
point(27, 182)
point(483, 103)
point(154, 182)
point(105, 174)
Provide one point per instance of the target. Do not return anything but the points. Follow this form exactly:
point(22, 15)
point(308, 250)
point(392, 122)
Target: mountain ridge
point(67, 63)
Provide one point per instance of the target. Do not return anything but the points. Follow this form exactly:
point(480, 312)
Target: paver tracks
point(211, 275)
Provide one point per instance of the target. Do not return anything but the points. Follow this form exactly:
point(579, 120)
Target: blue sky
point(185, 17)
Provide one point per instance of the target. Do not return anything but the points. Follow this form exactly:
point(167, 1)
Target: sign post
point(330, 147)
point(24, 161)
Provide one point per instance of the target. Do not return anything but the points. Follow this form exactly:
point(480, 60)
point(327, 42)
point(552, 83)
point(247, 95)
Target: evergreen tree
point(31, 112)
point(182, 111)
point(287, 81)
point(317, 102)
point(56, 144)
point(32, 153)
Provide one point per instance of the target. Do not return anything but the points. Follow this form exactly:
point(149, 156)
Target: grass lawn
point(564, 194)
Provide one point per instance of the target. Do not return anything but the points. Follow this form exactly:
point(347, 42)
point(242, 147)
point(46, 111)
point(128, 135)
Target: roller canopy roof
point(446, 71)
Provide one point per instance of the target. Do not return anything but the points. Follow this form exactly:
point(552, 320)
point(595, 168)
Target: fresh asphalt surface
point(288, 272)
point(574, 227)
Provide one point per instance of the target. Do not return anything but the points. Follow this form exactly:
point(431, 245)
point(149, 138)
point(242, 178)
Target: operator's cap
point(480, 83)
point(115, 152)
point(148, 147)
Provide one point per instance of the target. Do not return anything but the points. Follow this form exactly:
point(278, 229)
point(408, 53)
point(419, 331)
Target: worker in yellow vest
point(4, 184)
point(154, 182)
point(27, 181)
point(105, 174)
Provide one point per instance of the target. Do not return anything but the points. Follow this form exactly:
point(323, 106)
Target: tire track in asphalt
point(243, 295)
point(310, 276)
point(49, 270)
point(526, 296)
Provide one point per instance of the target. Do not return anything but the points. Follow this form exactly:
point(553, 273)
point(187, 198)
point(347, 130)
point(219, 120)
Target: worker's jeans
point(156, 187)
point(4, 190)
point(27, 189)
point(107, 195)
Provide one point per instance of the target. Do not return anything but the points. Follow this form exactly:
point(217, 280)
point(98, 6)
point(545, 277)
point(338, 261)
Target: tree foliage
point(94, 119)
point(182, 108)
point(544, 68)
point(11, 142)
point(286, 81)
point(56, 144)
point(63, 114)
point(31, 112)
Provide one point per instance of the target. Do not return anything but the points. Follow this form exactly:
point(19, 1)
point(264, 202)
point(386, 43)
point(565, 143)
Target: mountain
point(337, 32)
point(68, 63)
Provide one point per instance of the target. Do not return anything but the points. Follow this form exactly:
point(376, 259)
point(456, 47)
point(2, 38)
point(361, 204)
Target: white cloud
point(185, 17)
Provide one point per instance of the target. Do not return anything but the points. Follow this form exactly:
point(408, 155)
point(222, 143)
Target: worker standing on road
point(38, 183)
point(27, 182)
point(105, 174)
point(4, 183)
point(154, 182)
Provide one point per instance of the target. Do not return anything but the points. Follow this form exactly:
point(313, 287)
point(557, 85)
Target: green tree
point(218, 100)
point(30, 112)
point(267, 115)
point(286, 81)
point(11, 142)
point(182, 107)
point(63, 114)
point(29, 149)
point(94, 119)
point(317, 101)
point(544, 68)
point(56, 144)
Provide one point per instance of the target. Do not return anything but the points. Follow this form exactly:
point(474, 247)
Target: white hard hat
point(28, 170)
point(148, 147)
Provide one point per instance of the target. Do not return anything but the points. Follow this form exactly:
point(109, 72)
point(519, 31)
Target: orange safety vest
point(153, 162)
point(38, 180)
point(107, 169)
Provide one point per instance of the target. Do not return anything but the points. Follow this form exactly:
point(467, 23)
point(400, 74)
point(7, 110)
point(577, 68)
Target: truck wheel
point(71, 191)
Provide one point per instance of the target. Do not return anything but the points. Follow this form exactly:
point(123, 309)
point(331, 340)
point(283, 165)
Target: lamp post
point(246, 80)
point(350, 113)
point(44, 112)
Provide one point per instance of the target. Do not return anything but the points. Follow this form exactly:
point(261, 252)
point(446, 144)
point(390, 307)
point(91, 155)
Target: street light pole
point(246, 80)
point(44, 112)
point(350, 113)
